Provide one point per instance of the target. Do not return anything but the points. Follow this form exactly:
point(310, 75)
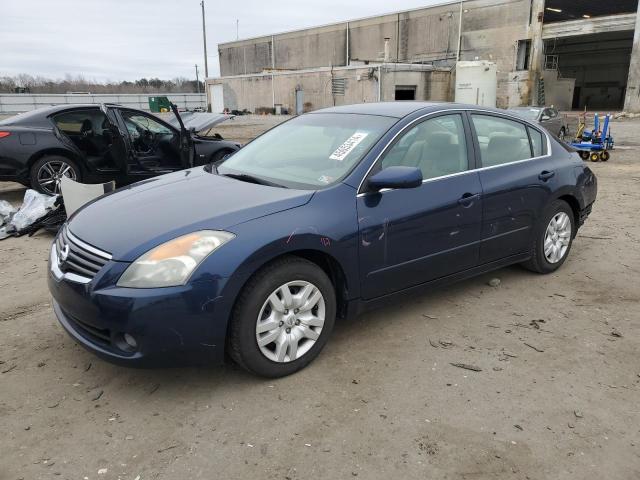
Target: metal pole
point(197, 79)
point(459, 32)
point(204, 39)
point(237, 29)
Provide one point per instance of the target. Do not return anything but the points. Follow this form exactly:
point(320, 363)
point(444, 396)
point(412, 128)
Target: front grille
point(78, 257)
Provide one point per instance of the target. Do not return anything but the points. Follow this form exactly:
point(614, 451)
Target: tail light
point(4, 134)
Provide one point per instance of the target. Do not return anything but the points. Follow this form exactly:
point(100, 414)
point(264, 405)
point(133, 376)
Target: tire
point(594, 157)
point(539, 261)
point(46, 171)
point(584, 155)
point(218, 157)
point(253, 309)
point(605, 156)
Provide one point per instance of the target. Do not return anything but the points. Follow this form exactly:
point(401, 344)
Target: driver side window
point(436, 146)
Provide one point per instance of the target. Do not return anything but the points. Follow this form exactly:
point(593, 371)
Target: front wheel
point(552, 239)
point(282, 318)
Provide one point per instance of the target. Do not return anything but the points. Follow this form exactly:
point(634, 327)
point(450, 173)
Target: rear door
point(121, 147)
point(517, 176)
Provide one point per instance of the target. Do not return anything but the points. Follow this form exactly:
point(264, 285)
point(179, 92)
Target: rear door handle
point(468, 198)
point(546, 175)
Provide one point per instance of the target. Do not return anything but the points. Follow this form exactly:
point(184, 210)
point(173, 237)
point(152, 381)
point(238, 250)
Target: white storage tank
point(477, 83)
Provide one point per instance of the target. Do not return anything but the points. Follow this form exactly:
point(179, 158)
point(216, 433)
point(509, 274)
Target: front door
point(517, 178)
point(411, 236)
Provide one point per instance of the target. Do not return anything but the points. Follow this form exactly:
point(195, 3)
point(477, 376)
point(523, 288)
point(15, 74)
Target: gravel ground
point(556, 397)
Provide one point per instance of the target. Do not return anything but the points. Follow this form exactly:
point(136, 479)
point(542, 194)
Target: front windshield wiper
point(245, 177)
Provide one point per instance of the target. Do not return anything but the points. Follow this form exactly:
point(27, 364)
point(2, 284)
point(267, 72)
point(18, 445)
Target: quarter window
point(536, 142)
point(501, 140)
point(436, 146)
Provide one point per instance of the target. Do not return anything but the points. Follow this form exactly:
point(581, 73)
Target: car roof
point(38, 117)
point(401, 109)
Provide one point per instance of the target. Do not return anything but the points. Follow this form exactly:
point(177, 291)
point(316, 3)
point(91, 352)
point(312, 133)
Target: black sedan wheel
point(282, 318)
point(47, 173)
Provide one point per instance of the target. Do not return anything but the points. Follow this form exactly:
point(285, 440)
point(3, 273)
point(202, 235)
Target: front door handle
point(467, 199)
point(546, 175)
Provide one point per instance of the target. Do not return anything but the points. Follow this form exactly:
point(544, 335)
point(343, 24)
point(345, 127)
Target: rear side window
point(537, 144)
point(501, 140)
point(436, 146)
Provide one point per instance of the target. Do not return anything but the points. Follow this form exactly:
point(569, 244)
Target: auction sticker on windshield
point(347, 147)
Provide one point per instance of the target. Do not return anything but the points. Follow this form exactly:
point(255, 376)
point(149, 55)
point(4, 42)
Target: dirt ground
point(557, 396)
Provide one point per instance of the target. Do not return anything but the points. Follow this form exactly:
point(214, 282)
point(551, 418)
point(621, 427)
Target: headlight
point(172, 263)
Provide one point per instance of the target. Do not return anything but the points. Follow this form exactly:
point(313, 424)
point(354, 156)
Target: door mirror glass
point(396, 177)
point(545, 117)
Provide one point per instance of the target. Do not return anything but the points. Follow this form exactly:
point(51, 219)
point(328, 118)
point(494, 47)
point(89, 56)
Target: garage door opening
point(405, 92)
point(599, 63)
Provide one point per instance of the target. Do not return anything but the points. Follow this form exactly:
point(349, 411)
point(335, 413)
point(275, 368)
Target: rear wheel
point(552, 239)
point(47, 172)
point(605, 156)
point(584, 155)
point(595, 157)
point(282, 318)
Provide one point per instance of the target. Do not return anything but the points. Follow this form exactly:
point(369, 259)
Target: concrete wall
point(490, 31)
point(18, 102)
point(253, 92)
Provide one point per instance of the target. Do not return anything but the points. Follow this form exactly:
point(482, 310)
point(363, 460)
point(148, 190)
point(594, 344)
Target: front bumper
point(171, 326)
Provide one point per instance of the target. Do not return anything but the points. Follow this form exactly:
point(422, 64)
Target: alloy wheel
point(557, 237)
point(50, 174)
point(290, 321)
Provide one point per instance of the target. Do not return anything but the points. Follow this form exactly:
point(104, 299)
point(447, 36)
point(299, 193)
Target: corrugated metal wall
point(17, 102)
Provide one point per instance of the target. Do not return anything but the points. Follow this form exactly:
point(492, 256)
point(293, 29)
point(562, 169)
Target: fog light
point(130, 341)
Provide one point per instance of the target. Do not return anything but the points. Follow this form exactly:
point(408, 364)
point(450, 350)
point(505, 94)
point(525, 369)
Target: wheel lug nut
point(281, 323)
point(297, 322)
point(296, 311)
point(286, 311)
point(288, 330)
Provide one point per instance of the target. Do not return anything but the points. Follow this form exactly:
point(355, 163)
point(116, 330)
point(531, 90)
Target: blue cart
point(594, 145)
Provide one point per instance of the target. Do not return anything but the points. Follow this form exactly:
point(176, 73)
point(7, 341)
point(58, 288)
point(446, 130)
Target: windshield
point(528, 113)
point(310, 151)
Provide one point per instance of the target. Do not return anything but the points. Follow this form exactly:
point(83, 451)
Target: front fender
point(326, 225)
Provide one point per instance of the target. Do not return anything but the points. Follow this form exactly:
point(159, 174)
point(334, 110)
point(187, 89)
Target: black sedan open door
point(120, 142)
point(187, 152)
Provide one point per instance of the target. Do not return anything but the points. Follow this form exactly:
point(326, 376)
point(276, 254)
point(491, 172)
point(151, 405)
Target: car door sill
point(369, 304)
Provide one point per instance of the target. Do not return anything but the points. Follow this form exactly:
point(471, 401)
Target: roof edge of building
point(268, 36)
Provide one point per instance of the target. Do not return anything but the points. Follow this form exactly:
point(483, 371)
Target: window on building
point(404, 92)
point(523, 54)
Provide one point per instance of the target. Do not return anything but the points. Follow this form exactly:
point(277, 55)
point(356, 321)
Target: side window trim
point(409, 127)
point(545, 138)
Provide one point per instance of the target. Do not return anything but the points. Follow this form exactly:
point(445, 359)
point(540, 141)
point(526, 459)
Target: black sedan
point(99, 143)
point(327, 215)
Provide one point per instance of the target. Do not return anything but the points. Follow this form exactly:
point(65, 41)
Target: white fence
point(18, 102)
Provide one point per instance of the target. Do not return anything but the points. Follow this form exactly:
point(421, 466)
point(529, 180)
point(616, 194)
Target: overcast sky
point(129, 39)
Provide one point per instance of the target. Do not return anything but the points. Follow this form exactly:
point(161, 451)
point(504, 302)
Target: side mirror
point(396, 177)
point(544, 118)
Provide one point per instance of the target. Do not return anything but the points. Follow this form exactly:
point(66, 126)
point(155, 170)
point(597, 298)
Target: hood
point(198, 121)
point(134, 219)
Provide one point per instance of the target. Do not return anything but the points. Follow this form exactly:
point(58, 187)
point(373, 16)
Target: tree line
point(25, 83)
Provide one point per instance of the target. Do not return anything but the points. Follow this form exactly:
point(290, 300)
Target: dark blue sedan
point(323, 217)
